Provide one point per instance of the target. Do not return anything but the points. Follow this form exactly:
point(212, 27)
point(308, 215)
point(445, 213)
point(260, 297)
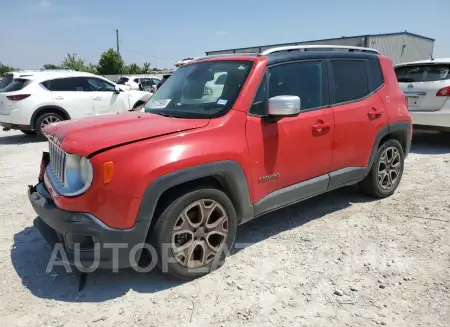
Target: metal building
point(400, 47)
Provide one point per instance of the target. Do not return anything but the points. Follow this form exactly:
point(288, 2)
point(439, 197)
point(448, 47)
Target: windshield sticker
point(160, 104)
point(221, 102)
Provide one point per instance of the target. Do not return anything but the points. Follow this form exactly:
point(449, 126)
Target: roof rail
point(317, 48)
point(226, 55)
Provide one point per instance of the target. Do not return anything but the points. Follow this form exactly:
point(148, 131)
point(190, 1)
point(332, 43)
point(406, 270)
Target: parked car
point(10, 76)
point(426, 85)
point(30, 103)
point(134, 82)
point(163, 80)
point(287, 126)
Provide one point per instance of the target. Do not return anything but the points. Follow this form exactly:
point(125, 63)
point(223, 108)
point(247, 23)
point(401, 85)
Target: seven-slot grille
point(57, 161)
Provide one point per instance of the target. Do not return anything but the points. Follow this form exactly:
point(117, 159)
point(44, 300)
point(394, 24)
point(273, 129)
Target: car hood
point(89, 135)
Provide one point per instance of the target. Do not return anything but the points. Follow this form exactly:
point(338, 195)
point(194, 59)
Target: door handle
point(319, 126)
point(58, 98)
point(375, 112)
point(97, 98)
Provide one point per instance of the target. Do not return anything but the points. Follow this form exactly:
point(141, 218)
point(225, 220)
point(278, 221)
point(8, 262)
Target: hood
point(89, 135)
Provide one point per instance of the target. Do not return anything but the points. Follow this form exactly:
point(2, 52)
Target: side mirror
point(117, 90)
point(284, 105)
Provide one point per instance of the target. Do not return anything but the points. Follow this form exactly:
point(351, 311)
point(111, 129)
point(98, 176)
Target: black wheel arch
point(226, 175)
point(400, 131)
point(49, 108)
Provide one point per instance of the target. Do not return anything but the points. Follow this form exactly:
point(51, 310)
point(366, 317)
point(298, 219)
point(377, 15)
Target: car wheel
point(386, 171)
point(28, 132)
point(44, 120)
point(194, 233)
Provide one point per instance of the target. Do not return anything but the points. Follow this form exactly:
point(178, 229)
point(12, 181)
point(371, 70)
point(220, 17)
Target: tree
point(110, 63)
point(146, 68)
point(71, 61)
point(91, 68)
point(4, 69)
point(132, 69)
point(51, 66)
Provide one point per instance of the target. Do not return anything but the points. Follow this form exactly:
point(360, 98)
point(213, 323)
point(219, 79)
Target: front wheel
point(44, 120)
point(194, 233)
point(386, 171)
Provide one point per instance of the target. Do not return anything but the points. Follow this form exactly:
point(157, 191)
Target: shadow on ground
point(30, 254)
point(19, 139)
point(430, 143)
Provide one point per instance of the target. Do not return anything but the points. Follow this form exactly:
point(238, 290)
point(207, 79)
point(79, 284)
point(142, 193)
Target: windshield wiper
point(164, 114)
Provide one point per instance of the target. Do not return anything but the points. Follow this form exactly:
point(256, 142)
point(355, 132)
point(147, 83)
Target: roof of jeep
point(280, 57)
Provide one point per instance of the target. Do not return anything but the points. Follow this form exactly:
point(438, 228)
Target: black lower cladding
point(15, 126)
point(99, 245)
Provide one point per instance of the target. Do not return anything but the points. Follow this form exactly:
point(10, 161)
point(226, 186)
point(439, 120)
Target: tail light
point(444, 92)
point(17, 97)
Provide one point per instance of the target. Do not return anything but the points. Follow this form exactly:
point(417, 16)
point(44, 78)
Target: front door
point(291, 150)
point(71, 95)
point(105, 99)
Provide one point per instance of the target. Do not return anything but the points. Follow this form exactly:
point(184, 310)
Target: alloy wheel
point(199, 233)
point(49, 120)
point(389, 168)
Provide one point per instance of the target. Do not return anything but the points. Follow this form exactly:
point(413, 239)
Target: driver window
point(98, 85)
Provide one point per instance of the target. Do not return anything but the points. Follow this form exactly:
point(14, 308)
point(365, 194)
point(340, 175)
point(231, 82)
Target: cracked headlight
point(78, 173)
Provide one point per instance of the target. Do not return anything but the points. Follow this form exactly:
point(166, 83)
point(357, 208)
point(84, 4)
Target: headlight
point(78, 175)
point(85, 171)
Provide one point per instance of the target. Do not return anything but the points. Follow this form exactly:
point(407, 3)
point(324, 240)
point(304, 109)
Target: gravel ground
point(337, 260)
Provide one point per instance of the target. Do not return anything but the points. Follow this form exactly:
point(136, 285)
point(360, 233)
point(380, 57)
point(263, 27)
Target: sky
point(37, 32)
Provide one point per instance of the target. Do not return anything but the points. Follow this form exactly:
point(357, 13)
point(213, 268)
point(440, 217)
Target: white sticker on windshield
point(160, 104)
point(221, 102)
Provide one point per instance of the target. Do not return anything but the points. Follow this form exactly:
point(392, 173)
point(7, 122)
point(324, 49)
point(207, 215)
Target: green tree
point(146, 68)
point(51, 66)
point(132, 69)
point(91, 68)
point(4, 69)
point(110, 63)
point(71, 61)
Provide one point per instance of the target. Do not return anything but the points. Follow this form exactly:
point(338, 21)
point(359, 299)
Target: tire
point(390, 152)
point(161, 235)
point(45, 119)
point(28, 132)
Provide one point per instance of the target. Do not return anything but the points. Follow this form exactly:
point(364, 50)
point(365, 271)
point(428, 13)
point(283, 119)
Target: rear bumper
point(438, 118)
point(17, 116)
point(85, 240)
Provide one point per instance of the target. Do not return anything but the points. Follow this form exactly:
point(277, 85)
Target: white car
point(30, 103)
point(426, 85)
point(134, 82)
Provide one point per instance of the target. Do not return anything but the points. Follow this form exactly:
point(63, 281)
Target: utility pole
point(117, 41)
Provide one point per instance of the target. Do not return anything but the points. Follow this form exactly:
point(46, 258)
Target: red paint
point(297, 148)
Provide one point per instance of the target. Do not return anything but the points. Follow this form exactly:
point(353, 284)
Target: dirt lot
point(389, 261)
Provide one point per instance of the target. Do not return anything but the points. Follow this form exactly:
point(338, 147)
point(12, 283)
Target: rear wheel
point(386, 171)
point(194, 233)
point(44, 120)
point(28, 132)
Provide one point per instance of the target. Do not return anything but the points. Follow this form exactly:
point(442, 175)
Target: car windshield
point(422, 73)
point(201, 90)
point(122, 80)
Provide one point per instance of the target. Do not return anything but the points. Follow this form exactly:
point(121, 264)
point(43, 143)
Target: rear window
point(422, 73)
point(122, 80)
point(17, 85)
point(6, 80)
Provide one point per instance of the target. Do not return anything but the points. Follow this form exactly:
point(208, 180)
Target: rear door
point(359, 112)
point(421, 84)
point(72, 95)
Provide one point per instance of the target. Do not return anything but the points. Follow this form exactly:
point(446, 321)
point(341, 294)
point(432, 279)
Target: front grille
point(57, 161)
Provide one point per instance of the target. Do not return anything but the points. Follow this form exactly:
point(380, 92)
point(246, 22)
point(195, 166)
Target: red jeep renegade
point(224, 140)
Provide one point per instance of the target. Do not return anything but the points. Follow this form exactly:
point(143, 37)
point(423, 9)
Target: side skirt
point(310, 188)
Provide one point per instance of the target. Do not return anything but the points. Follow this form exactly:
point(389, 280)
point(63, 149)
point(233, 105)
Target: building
point(400, 47)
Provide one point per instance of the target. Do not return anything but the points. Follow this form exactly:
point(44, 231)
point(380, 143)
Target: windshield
point(200, 90)
point(422, 73)
point(122, 80)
